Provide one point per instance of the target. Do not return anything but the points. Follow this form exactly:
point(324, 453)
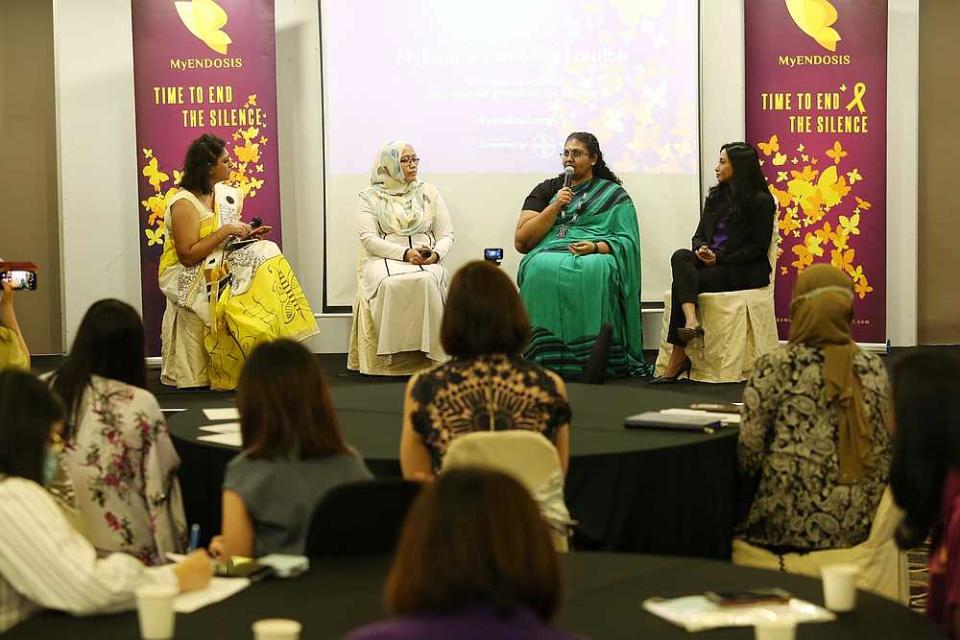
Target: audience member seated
point(13, 348)
point(405, 233)
point(116, 450)
point(221, 301)
point(487, 386)
point(293, 453)
point(814, 441)
point(582, 268)
point(44, 562)
point(730, 248)
point(925, 476)
point(474, 561)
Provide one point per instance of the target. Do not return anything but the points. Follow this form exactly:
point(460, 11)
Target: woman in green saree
point(582, 266)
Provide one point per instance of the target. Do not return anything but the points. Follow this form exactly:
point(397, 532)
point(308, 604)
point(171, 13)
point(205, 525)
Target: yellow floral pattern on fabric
point(247, 150)
point(817, 220)
point(271, 308)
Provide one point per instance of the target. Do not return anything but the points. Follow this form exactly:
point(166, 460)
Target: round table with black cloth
point(603, 601)
point(639, 491)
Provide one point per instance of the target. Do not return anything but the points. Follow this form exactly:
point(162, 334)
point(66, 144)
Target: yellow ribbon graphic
point(859, 90)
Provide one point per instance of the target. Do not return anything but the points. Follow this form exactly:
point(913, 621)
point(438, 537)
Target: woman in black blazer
point(729, 248)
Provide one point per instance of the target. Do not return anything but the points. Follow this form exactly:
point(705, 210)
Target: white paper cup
point(840, 586)
point(155, 611)
point(775, 630)
point(276, 629)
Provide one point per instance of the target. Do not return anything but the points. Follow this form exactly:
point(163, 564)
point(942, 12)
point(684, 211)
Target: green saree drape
point(569, 298)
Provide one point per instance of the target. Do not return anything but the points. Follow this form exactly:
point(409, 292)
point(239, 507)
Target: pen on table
point(194, 537)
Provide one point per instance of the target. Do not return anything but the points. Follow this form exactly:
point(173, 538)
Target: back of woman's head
point(926, 440)
point(202, 155)
point(284, 404)
point(484, 313)
point(110, 344)
point(474, 536)
point(28, 410)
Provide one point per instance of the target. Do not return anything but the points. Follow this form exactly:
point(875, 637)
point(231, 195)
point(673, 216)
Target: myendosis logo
point(205, 19)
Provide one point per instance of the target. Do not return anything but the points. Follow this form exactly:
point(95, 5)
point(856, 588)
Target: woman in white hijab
point(405, 233)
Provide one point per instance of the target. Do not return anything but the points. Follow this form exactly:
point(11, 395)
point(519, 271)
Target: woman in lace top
point(487, 386)
point(814, 438)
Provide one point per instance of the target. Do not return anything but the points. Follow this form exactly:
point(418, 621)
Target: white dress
point(399, 305)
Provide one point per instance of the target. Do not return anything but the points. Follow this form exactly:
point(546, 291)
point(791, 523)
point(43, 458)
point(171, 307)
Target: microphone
point(567, 176)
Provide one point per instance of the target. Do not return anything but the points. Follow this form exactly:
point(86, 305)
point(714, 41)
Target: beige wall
point(939, 210)
point(29, 227)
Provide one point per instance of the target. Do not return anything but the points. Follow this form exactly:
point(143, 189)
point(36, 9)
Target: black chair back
point(360, 518)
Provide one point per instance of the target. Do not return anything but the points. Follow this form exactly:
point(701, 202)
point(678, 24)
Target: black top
point(748, 230)
point(541, 195)
point(486, 393)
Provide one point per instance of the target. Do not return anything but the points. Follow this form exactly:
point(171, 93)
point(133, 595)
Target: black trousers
point(691, 277)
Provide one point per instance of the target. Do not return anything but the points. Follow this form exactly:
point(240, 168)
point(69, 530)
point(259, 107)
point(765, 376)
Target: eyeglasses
point(576, 154)
point(409, 160)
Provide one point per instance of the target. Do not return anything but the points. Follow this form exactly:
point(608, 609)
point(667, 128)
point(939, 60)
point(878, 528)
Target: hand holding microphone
point(565, 195)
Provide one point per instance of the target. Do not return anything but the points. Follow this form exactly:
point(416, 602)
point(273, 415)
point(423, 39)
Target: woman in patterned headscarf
point(814, 437)
point(405, 233)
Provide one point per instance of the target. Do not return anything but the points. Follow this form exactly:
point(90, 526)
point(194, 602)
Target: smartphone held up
point(19, 275)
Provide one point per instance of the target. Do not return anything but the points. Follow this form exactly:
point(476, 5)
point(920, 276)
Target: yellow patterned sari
point(223, 307)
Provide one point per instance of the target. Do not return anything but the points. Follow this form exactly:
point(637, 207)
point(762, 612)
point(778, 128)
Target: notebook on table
point(673, 422)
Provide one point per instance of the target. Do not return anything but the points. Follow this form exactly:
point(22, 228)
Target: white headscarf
point(399, 205)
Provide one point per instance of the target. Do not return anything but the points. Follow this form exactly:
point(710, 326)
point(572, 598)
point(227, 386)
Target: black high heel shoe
point(685, 369)
point(687, 335)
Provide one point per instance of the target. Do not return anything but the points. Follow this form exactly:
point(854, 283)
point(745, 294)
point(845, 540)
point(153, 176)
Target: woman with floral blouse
point(814, 443)
point(117, 451)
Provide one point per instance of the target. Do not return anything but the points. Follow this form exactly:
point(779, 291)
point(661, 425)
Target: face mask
point(49, 466)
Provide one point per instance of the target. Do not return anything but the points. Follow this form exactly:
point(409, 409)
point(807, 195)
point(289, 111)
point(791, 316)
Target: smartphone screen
point(493, 254)
point(21, 279)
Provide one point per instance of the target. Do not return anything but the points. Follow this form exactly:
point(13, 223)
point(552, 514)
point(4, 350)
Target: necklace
point(574, 209)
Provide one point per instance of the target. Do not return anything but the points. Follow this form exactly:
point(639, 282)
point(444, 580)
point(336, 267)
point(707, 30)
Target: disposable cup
point(155, 611)
point(775, 630)
point(276, 629)
point(840, 586)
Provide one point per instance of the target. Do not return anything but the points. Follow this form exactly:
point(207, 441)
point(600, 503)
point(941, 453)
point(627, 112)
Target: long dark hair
point(109, 344)
point(600, 170)
point(202, 155)
point(926, 443)
point(28, 410)
point(474, 536)
point(748, 179)
point(284, 404)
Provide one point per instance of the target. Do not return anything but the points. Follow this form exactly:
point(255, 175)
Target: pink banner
point(202, 66)
point(816, 110)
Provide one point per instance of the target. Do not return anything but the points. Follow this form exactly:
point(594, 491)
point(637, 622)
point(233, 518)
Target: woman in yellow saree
point(224, 295)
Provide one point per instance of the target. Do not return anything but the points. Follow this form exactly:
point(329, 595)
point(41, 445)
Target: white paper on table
point(227, 413)
point(233, 439)
point(696, 613)
point(226, 427)
point(726, 418)
point(218, 589)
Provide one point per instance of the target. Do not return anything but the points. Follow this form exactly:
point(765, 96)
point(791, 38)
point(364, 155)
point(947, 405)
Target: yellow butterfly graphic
point(177, 176)
point(154, 236)
point(779, 160)
point(205, 19)
point(815, 18)
point(153, 173)
point(771, 147)
point(836, 152)
point(863, 287)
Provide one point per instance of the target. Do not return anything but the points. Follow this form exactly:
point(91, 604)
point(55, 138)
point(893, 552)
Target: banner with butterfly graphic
point(201, 66)
point(816, 105)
